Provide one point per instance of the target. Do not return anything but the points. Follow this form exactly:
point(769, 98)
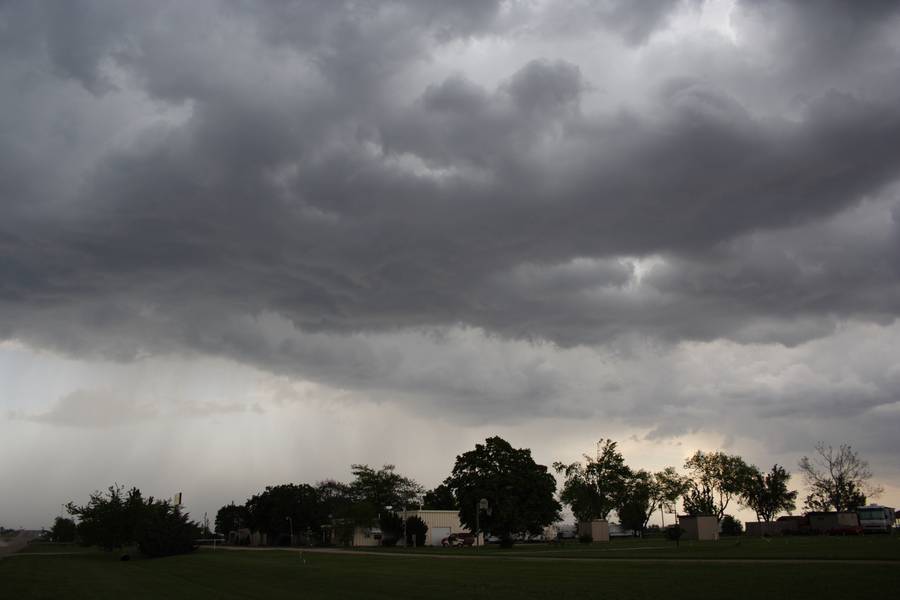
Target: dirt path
point(723, 561)
point(15, 544)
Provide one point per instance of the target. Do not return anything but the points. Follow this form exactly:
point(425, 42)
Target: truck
point(874, 518)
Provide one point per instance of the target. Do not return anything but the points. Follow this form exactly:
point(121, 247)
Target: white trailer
point(875, 518)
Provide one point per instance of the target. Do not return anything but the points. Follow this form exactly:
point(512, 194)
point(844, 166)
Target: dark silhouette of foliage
point(673, 534)
point(440, 498)
point(416, 529)
point(391, 528)
point(645, 492)
point(716, 478)
point(767, 495)
point(164, 530)
point(117, 519)
point(731, 526)
point(63, 530)
point(637, 501)
point(109, 520)
point(596, 487)
point(384, 488)
point(838, 479)
point(519, 491)
point(269, 511)
point(232, 517)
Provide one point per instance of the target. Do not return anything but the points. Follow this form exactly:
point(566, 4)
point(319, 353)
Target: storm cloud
point(480, 211)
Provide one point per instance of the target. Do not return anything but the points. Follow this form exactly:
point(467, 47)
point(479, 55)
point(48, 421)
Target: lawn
point(280, 574)
point(870, 547)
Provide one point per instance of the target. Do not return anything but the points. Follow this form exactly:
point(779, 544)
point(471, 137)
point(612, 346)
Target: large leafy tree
point(232, 517)
point(637, 501)
point(440, 498)
point(837, 478)
point(670, 486)
point(646, 492)
point(716, 478)
point(518, 490)
point(271, 510)
point(595, 487)
point(384, 487)
point(768, 494)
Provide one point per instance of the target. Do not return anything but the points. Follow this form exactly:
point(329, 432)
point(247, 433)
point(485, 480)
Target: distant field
point(280, 574)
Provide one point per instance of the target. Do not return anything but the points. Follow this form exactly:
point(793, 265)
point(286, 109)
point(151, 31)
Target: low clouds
point(478, 211)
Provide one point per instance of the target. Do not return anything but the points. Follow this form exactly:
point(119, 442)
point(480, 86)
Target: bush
point(586, 538)
point(674, 533)
point(506, 542)
point(731, 526)
point(415, 531)
point(391, 529)
point(164, 531)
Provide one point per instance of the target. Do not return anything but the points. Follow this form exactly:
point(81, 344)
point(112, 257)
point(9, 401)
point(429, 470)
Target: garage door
point(437, 534)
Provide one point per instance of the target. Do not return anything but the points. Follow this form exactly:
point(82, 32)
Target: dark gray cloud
point(181, 174)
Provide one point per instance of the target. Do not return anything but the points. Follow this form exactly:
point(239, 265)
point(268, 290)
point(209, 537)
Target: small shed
point(597, 529)
point(699, 528)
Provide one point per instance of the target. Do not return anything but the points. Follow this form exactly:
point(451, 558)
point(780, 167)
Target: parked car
point(458, 539)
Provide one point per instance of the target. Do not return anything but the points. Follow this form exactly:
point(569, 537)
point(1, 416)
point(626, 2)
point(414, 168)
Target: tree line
point(496, 489)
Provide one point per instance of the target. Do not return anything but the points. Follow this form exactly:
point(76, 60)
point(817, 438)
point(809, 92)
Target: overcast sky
point(249, 243)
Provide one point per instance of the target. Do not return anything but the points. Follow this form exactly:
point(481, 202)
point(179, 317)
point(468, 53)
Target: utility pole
point(291, 521)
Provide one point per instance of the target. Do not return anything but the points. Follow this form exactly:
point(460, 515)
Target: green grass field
point(495, 574)
point(872, 547)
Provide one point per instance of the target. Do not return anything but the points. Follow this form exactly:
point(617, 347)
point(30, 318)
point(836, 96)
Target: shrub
point(506, 542)
point(164, 531)
point(391, 529)
point(674, 533)
point(415, 531)
point(731, 526)
point(586, 538)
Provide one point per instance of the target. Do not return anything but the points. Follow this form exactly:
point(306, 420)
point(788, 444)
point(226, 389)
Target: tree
point(109, 520)
point(416, 529)
point(519, 491)
point(391, 528)
point(231, 517)
point(637, 501)
point(63, 530)
point(282, 507)
point(164, 530)
point(596, 487)
point(731, 526)
point(838, 479)
point(440, 498)
point(670, 486)
point(716, 478)
point(767, 495)
point(383, 488)
point(118, 518)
